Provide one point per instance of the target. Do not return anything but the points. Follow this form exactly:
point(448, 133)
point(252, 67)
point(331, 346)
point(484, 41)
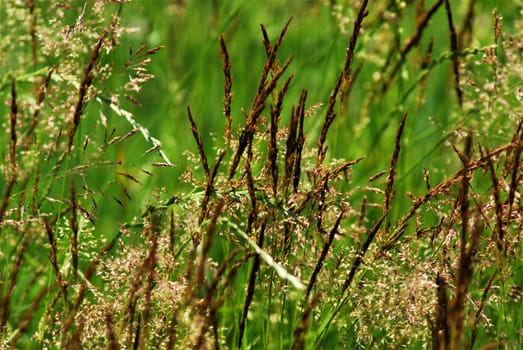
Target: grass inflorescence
point(378, 208)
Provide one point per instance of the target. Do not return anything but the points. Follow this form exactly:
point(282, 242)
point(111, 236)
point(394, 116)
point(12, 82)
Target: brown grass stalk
point(12, 153)
point(14, 271)
point(330, 115)
point(420, 10)
point(393, 164)
point(498, 28)
point(227, 89)
point(147, 312)
point(411, 43)
point(32, 32)
point(440, 330)
point(321, 193)
point(112, 343)
point(34, 199)
point(291, 145)
point(454, 50)
point(421, 24)
point(152, 232)
point(85, 84)
point(172, 327)
point(119, 139)
point(272, 153)
point(499, 232)
point(363, 210)
point(253, 214)
point(266, 41)
point(209, 178)
point(206, 246)
point(53, 258)
point(343, 83)
point(74, 236)
point(251, 284)
point(172, 234)
point(347, 88)
point(465, 33)
point(517, 139)
point(361, 254)
point(348, 80)
point(133, 332)
point(265, 87)
point(42, 90)
point(498, 52)
point(455, 315)
point(136, 337)
point(300, 141)
point(227, 101)
point(199, 143)
point(322, 257)
point(305, 322)
point(479, 310)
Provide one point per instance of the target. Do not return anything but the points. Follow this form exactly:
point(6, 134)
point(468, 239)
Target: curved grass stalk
point(157, 145)
point(280, 270)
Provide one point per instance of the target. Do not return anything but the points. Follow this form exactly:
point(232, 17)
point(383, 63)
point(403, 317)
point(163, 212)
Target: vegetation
point(347, 175)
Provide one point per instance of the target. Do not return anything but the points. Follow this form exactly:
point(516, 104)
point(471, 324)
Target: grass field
point(238, 174)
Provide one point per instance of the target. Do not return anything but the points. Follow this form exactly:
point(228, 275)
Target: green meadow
point(261, 175)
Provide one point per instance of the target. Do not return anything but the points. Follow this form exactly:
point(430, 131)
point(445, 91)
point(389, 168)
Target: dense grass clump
point(352, 180)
